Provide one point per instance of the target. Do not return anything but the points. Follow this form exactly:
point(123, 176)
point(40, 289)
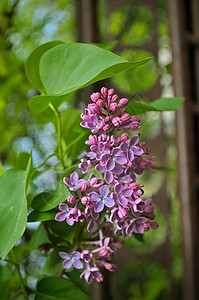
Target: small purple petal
point(70, 221)
point(63, 207)
point(130, 155)
point(77, 264)
point(110, 164)
point(137, 150)
point(76, 255)
point(94, 196)
point(100, 169)
point(64, 255)
point(109, 202)
point(117, 170)
point(134, 140)
point(127, 192)
point(99, 206)
point(121, 160)
point(74, 178)
point(108, 177)
point(118, 188)
point(61, 216)
point(104, 190)
point(67, 264)
point(123, 201)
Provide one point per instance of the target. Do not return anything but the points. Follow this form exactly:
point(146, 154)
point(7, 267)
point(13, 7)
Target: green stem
point(59, 133)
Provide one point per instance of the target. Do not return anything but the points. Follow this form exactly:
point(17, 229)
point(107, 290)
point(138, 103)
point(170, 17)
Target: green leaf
point(37, 216)
point(22, 160)
point(53, 263)
point(69, 171)
point(139, 237)
point(167, 104)
point(13, 209)
point(74, 66)
point(40, 237)
point(137, 107)
point(32, 64)
point(107, 46)
point(49, 200)
point(56, 288)
point(63, 230)
point(41, 102)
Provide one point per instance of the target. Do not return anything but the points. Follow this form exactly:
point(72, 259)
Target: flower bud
point(111, 92)
point(100, 103)
point(87, 201)
point(125, 117)
point(95, 96)
point(106, 127)
point(107, 119)
point(84, 187)
point(116, 121)
point(123, 102)
point(94, 108)
point(122, 213)
point(114, 98)
point(104, 92)
point(71, 199)
point(92, 140)
point(124, 137)
point(86, 255)
point(113, 106)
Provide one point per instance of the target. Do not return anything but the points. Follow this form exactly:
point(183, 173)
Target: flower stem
point(59, 133)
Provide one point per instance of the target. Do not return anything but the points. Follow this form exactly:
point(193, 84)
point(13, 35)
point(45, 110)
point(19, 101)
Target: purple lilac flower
point(61, 216)
point(136, 225)
point(92, 273)
point(131, 148)
point(85, 165)
point(97, 151)
point(73, 183)
point(71, 260)
point(101, 199)
point(121, 193)
point(109, 174)
point(116, 157)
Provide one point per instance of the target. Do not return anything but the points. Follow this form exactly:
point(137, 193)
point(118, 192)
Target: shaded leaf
point(57, 288)
point(37, 216)
point(40, 237)
point(62, 229)
point(49, 200)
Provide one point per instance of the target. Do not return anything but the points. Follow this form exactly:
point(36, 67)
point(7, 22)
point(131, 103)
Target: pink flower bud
point(94, 108)
point(92, 140)
point(84, 187)
point(106, 127)
point(116, 121)
point(100, 103)
point(123, 102)
point(95, 96)
point(114, 98)
point(87, 201)
point(111, 92)
point(71, 199)
point(122, 213)
point(113, 106)
point(104, 92)
point(110, 267)
point(124, 137)
point(107, 119)
point(125, 117)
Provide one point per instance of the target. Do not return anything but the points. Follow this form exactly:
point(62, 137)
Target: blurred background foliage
point(25, 24)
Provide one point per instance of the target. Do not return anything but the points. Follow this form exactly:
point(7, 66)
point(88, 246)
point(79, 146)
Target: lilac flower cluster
point(113, 202)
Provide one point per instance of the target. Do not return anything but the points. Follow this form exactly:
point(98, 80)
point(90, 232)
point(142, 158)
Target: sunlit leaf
point(73, 66)
point(32, 64)
point(37, 216)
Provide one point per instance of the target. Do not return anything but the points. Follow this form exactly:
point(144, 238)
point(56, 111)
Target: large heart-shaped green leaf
point(13, 209)
point(32, 64)
point(71, 66)
point(57, 288)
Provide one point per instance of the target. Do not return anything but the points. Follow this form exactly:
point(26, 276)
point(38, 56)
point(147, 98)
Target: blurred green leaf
point(137, 107)
point(33, 61)
point(37, 216)
point(53, 263)
point(22, 160)
point(57, 288)
point(40, 237)
point(13, 209)
point(107, 46)
point(68, 171)
point(74, 66)
point(49, 200)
